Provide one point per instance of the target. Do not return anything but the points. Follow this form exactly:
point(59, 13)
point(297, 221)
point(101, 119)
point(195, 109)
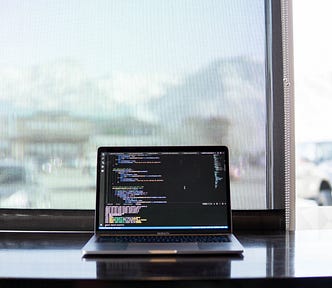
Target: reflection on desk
point(279, 258)
point(165, 267)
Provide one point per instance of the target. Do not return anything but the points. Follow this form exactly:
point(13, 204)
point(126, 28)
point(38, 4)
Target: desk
point(300, 259)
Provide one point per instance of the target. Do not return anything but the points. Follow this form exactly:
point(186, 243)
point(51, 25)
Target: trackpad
point(162, 248)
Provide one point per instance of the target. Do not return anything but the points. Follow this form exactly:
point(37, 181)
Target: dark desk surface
point(302, 259)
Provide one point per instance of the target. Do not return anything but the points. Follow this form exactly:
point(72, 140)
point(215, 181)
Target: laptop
point(163, 201)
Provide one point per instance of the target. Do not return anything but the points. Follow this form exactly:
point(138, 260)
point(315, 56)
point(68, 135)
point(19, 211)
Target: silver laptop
point(163, 200)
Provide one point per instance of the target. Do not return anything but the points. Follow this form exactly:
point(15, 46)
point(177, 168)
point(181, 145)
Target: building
point(45, 136)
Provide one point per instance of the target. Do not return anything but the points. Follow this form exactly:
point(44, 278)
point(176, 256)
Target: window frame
point(273, 218)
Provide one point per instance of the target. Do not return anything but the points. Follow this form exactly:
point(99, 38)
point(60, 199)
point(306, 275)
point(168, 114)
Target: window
point(81, 74)
point(313, 70)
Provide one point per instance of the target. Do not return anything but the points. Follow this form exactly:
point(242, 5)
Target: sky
point(121, 51)
point(129, 36)
point(312, 23)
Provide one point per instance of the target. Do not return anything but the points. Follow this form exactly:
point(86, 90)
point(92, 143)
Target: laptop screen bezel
point(169, 231)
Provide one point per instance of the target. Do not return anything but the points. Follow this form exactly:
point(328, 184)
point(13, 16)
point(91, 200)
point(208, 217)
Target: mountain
point(222, 103)
point(225, 98)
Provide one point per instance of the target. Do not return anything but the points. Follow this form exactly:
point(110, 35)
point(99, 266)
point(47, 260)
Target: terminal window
point(163, 189)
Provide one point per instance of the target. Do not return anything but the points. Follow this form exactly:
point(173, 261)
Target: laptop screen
point(163, 188)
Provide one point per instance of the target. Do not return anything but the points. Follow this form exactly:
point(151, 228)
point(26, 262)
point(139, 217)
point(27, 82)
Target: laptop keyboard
point(165, 239)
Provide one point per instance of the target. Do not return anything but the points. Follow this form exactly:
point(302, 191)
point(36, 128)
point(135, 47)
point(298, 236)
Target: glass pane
point(313, 87)
point(76, 75)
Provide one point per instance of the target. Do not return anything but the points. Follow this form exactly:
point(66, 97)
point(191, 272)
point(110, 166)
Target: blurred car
point(18, 188)
point(314, 171)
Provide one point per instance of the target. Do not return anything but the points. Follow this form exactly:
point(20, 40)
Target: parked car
point(18, 187)
point(314, 171)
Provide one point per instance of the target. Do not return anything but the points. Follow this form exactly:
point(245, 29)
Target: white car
point(18, 188)
point(314, 171)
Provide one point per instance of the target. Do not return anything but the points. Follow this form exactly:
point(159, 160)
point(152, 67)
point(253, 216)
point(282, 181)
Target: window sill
point(83, 220)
